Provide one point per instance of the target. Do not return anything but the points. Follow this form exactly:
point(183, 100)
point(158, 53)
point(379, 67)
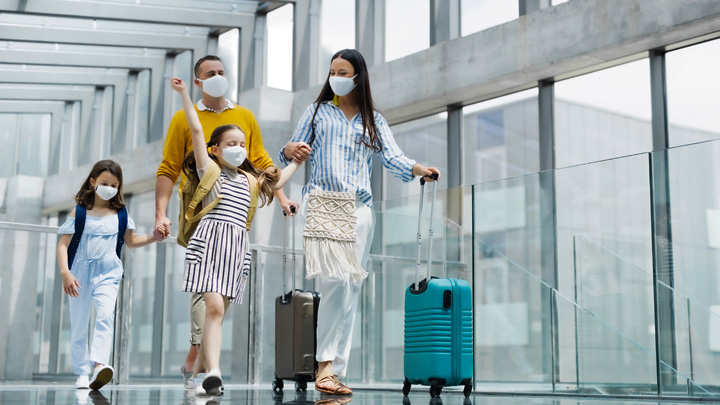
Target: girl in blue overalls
point(90, 266)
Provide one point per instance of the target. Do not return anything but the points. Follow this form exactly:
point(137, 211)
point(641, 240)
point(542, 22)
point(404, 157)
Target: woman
point(340, 132)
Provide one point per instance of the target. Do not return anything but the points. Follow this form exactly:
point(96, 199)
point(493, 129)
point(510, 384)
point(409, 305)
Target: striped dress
point(217, 258)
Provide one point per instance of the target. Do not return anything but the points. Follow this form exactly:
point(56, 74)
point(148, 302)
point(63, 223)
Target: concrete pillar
point(18, 277)
point(370, 30)
point(306, 26)
point(444, 20)
point(529, 6)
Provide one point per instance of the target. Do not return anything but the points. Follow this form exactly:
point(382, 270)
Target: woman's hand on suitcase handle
point(428, 173)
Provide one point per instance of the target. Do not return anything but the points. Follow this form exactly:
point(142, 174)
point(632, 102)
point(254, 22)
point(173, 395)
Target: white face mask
point(234, 155)
point(105, 192)
point(342, 86)
point(215, 86)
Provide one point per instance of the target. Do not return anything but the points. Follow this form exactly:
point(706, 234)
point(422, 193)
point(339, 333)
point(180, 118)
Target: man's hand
point(297, 151)
point(161, 230)
point(287, 204)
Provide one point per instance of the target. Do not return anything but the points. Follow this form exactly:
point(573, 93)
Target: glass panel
point(692, 88)
point(407, 27)
point(337, 31)
point(511, 329)
point(280, 47)
point(142, 107)
point(229, 52)
point(33, 151)
point(183, 68)
point(501, 138)
point(604, 259)
point(694, 257)
point(477, 15)
point(8, 139)
point(423, 140)
point(144, 269)
point(603, 115)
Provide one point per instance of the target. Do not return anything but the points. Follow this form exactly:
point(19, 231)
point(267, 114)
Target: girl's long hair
point(266, 179)
point(86, 196)
point(365, 100)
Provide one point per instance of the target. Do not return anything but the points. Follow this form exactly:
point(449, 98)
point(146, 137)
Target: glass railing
point(562, 265)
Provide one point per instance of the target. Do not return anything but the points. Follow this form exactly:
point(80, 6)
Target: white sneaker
point(100, 377)
point(197, 385)
point(212, 383)
point(83, 382)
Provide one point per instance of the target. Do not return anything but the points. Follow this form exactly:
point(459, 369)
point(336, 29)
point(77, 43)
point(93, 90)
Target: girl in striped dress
point(217, 259)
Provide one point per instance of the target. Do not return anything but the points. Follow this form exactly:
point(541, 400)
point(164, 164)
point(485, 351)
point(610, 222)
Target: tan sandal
point(338, 388)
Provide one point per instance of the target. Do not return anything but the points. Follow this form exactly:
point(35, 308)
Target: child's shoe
point(83, 382)
point(212, 383)
point(187, 377)
point(102, 376)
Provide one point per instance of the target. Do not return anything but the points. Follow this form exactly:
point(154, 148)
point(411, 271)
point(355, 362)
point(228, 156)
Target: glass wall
point(280, 47)
point(423, 140)
point(477, 15)
point(603, 115)
point(229, 52)
point(692, 88)
point(26, 144)
point(337, 31)
point(407, 27)
point(500, 138)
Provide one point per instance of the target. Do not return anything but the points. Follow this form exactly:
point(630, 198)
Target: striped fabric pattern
point(217, 258)
point(339, 161)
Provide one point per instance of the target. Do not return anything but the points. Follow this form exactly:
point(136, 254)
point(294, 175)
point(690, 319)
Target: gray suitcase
point(295, 329)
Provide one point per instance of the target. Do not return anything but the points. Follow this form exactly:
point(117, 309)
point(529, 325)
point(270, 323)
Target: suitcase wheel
point(277, 385)
point(435, 391)
point(406, 387)
point(301, 386)
point(467, 390)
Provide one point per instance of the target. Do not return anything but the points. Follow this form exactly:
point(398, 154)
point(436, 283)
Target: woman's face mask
point(342, 86)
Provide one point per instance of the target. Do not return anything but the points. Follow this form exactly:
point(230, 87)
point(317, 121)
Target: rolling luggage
point(438, 326)
point(295, 329)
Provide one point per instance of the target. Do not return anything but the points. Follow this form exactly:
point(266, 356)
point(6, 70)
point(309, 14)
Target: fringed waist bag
point(330, 236)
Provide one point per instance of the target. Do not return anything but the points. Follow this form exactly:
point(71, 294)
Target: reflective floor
point(165, 393)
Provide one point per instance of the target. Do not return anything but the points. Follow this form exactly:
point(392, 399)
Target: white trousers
point(339, 298)
point(99, 282)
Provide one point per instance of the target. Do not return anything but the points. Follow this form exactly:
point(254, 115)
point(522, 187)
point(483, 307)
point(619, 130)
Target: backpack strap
point(79, 228)
point(122, 227)
point(206, 184)
point(253, 183)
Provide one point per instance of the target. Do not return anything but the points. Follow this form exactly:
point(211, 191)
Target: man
point(214, 110)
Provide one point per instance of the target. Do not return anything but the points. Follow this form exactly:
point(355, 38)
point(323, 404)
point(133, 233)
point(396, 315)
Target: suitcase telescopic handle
point(419, 233)
point(284, 276)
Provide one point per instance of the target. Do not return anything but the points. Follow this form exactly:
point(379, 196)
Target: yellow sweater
point(178, 141)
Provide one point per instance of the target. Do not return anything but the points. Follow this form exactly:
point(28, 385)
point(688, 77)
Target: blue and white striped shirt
point(339, 162)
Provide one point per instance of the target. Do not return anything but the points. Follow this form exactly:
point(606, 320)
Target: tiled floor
point(165, 393)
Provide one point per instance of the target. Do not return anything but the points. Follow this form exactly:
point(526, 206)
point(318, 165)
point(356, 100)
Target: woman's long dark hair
point(364, 98)
point(266, 179)
point(86, 196)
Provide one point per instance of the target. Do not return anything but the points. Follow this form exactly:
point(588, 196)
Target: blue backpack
point(80, 214)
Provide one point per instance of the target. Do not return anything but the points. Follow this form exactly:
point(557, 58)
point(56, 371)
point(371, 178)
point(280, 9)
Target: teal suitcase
point(438, 347)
